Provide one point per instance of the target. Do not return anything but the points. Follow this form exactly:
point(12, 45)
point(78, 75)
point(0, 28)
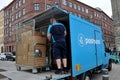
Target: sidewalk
point(8, 69)
point(25, 73)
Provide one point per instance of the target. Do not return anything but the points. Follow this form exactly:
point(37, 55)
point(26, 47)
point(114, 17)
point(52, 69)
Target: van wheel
point(87, 77)
point(84, 76)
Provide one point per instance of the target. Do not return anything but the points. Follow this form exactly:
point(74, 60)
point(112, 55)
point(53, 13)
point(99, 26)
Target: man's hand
point(65, 33)
point(49, 36)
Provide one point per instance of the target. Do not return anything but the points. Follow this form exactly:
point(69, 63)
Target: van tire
point(87, 76)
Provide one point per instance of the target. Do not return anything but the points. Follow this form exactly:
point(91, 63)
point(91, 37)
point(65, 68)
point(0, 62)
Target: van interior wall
point(43, 31)
point(66, 23)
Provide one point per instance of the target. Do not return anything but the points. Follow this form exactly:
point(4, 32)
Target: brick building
point(1, 30)
point(19, 10)
point(116, 18)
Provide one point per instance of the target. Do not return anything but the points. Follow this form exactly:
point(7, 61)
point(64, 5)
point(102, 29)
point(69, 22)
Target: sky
point(104, 5)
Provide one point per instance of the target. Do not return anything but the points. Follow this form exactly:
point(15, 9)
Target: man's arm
point(65, 33)
point(48, 33)
point(49, 36)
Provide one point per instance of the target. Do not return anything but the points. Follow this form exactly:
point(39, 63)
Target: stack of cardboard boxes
point(28, 43)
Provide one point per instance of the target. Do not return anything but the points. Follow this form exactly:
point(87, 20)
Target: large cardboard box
point(28, 43)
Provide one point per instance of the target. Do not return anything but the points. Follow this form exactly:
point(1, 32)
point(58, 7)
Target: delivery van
point(85, 46)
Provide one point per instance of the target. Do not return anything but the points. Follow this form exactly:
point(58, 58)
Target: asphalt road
point(8, 69)
point(113, 75)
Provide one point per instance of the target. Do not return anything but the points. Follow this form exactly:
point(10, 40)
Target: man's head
point(53, 20)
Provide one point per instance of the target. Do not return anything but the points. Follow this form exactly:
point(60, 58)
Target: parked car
point(10, 56)
point(2, 56)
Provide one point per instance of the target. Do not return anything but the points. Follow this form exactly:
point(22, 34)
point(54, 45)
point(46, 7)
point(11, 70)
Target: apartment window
point(83, 9)
point(36, 6)
point(4, 22)
point(17, 25)
point(70, 4)
point(4, 31)
point(86, 10)
point(23, 11)
point(7, 21)
point(16, 5)
point(75, 7)
point(91, 16)
point(79, 8)
point(48, 6)
point(64, 2)
point(12, 28)
point(12, 8)
point(5, 14)
point(23, 1)
point(105, 18)
point(95, 14)
point(19, 14)
point(19, 3)
point(12, 18)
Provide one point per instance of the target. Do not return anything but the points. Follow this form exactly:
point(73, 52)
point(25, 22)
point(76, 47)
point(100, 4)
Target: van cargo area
point(32, 36)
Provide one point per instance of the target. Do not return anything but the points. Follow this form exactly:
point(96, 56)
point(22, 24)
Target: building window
point(12, 8)
point(19, 14)
point(5, 14)
point(64, 2)
point(12, 18)
point(16, 5)
point(23, 11)
point(83, 9)
point(91, 16)
point(95, 14)
point(36, 6)
point(23, 1)
point(7, 21)
point(79, 8)
point(19, 3)
point(48, 6)
point(70, 4)
point(86, 10)
point(75, 7)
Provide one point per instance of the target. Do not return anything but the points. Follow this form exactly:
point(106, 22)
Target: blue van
point(85, 44)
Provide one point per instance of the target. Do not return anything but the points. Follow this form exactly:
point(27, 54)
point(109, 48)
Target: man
point(57, 32)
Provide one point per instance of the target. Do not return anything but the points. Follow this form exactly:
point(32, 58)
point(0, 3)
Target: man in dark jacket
point(57, 33)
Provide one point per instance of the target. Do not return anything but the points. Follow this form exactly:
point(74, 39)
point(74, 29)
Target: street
point(8, 69)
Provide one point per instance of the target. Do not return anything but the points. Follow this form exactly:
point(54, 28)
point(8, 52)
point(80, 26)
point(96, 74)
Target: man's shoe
point(65, 70)
point(59, 71)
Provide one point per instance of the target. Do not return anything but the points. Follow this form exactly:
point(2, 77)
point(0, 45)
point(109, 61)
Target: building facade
point(116, 18)
point(1, 30)
point(19, 10)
